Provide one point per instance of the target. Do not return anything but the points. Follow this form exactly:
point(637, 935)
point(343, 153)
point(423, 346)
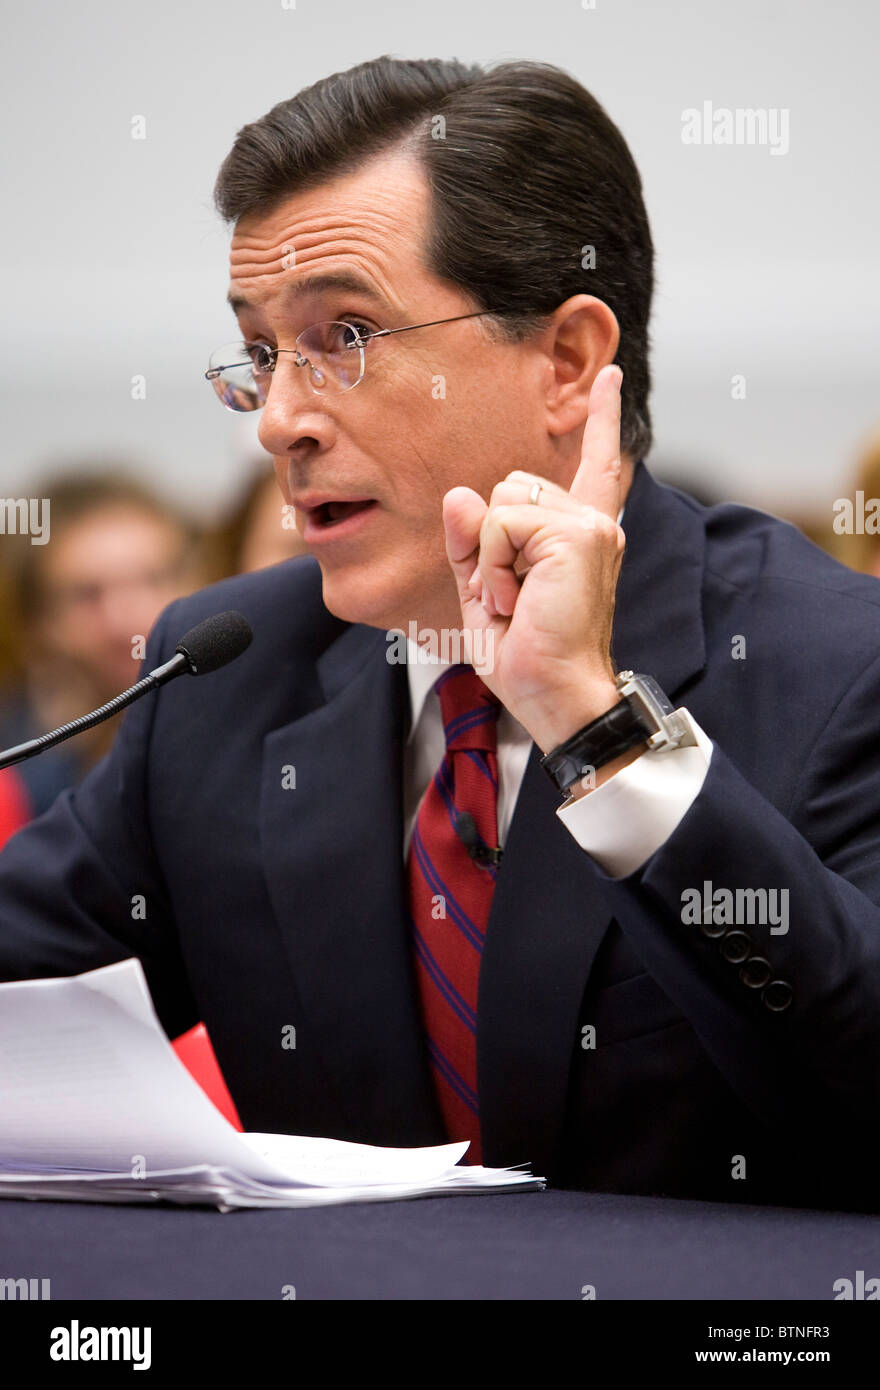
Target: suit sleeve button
point(777, 995)
point(756, 972)
point(736, 947)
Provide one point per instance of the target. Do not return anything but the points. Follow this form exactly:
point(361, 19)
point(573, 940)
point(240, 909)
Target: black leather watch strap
point(599, 742)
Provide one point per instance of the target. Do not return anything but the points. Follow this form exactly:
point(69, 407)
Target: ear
point(581, 338)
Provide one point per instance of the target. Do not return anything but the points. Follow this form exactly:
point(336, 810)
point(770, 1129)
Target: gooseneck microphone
point(466, 830)
point(206, 647)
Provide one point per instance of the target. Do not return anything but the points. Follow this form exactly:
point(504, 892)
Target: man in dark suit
point(669, 981)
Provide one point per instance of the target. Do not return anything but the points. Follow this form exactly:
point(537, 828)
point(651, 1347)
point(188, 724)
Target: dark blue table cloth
point(543, 1245)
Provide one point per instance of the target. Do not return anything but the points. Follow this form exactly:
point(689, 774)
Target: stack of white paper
point(96, 1106)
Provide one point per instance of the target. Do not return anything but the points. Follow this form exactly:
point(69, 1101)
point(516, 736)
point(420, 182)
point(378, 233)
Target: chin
point(381, 593)
point(355, 601)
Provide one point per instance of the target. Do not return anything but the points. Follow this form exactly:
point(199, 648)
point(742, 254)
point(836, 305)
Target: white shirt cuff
point(626, 819)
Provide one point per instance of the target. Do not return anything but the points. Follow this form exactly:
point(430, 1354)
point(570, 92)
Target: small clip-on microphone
point(466, 830)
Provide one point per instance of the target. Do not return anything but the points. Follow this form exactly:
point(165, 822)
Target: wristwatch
point(644, 715)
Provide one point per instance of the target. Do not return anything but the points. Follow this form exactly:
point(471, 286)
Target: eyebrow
point(325, 283)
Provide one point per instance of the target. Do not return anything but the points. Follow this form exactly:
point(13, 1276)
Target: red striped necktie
point(450, 895)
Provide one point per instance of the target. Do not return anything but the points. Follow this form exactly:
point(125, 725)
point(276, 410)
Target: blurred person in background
point(849, 529)
point(14, 803)
point(853, 534)
point(258, 531)
point(78, 611)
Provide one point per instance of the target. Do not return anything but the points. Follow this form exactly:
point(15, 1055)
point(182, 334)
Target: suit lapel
point(333, 858)
point(548, 914)
point(658, 622)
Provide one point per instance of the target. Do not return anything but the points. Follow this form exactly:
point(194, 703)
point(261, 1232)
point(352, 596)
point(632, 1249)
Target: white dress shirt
point(620, 824)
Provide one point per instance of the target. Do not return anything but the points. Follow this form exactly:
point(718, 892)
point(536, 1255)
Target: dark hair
point(525, 170)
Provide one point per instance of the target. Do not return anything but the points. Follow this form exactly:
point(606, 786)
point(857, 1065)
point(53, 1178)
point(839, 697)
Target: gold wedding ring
point(535, 493)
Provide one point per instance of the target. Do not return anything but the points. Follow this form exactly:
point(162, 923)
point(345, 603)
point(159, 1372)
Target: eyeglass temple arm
point(383, 332)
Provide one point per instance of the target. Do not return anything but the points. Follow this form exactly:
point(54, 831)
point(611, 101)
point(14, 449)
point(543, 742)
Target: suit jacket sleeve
point(813, 1065)
point(80, 887)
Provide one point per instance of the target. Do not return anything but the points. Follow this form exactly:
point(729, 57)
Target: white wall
point(114, 262)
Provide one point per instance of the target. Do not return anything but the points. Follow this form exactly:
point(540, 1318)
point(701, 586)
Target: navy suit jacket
point(268, 905)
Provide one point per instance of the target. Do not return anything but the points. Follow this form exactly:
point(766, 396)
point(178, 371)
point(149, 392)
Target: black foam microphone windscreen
point(214, 642)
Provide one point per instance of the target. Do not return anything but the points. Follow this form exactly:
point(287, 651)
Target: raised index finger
point(597, 481)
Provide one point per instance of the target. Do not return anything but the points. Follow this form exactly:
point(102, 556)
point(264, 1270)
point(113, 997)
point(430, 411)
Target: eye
point(363, 329)
point(260, 355)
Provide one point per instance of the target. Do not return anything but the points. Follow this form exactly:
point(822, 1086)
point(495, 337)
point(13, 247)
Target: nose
point(293, 414)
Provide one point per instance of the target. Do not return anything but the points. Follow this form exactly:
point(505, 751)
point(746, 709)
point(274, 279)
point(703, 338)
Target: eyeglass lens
point(241, 373)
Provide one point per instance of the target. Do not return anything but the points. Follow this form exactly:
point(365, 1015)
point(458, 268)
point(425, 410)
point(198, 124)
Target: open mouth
point(331, 513)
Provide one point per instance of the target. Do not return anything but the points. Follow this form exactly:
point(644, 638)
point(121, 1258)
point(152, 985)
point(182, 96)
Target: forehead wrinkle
point(360, 226)
point(252, 256)
point(243, 263)
point(365, 202)
point(313, 223)
point(356, 250)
